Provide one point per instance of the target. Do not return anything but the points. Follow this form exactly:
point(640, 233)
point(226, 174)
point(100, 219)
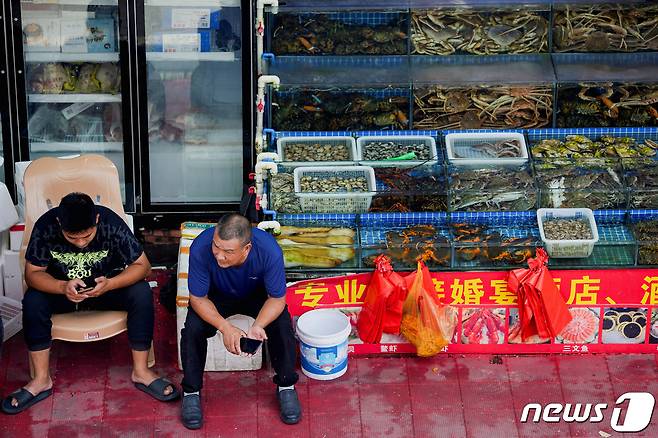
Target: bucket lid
point(323, 324)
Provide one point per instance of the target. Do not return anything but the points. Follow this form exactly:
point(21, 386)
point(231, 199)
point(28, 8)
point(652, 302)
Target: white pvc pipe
point(260, 28)
point(270, 225)
point(260, 107)
point(267, 156)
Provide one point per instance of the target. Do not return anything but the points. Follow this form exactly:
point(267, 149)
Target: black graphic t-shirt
point(114, 247)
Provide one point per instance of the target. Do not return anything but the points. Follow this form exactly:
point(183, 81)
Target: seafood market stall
point(436, 131)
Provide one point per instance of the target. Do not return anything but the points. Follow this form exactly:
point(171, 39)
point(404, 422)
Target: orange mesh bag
point(426, 322)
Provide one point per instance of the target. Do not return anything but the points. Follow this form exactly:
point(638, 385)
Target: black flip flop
point(157, 387)
point(25, 399)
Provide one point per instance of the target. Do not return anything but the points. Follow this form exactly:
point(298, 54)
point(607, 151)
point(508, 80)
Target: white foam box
point(2, 270)
point(11, 313)
point(218, 358)
point(16, 236)
point(12, 275)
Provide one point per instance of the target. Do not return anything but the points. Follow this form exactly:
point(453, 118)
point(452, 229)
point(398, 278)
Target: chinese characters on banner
point(604, 293)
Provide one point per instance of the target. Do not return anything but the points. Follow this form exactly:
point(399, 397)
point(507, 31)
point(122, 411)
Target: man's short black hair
point(76, 212)
point(234, 226)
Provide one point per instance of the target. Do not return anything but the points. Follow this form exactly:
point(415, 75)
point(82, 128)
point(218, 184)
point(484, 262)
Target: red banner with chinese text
point(614, 311)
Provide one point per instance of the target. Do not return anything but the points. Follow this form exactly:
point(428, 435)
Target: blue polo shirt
point(263, 271)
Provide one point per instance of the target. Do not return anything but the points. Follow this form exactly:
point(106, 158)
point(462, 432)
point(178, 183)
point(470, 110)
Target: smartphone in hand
point(250, 346)
point(90, 284)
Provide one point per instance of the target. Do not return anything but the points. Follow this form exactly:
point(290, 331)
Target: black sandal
point(157, 389)
point(25, 399)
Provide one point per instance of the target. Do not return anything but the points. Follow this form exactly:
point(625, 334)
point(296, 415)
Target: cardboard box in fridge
point(41, 34)
point(94, 35)
point(190, 18)
point(187, 42)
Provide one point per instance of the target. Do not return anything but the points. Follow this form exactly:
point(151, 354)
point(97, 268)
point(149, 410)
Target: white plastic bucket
point(322, 337)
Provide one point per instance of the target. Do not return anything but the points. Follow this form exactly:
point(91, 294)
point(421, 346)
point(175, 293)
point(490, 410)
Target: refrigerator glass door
point(73, 79)
point(2, 153)
point(194, 70)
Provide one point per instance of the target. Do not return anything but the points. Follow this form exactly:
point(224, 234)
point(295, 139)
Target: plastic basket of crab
point(567, 232)
point(344, 189)
point(465, 148)
point(316, 150)
point(396, 150)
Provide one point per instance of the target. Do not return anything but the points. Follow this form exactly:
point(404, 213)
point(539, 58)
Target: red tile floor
point(445, 396)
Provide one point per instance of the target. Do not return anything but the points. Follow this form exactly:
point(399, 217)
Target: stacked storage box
point(218, 359)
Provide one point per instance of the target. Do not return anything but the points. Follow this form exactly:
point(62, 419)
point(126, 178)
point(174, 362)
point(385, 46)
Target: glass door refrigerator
point(195, 128)
point(72, 75)
point(6, 152)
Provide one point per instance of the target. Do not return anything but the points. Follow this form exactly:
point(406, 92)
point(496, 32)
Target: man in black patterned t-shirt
point(84, 257)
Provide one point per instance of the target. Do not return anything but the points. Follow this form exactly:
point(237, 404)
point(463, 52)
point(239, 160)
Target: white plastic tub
point(428, 141)
point(323, 337)
point(568, 248)
point(348, 142)
point(335, 202)
point(459, 148)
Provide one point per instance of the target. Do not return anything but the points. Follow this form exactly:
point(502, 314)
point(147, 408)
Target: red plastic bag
point(382, 306)
point(542, 310)
point(426, 322)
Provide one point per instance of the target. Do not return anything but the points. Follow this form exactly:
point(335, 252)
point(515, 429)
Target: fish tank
point(496, 92)
point(479, 30)
point(596, 27)
point(617, 143)
point(493, 240)
point(406, 239)
point(410, 189)
point(491, 188)
point(316, 241)
point(298, 33)
point(644, 224)
point(594, 183)
point(616, 245)
point(641, 176)
point(327, 94)
point(606, 90)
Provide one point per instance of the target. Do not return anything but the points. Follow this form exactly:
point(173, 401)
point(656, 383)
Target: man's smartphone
point(89, 282)
point(250, 346)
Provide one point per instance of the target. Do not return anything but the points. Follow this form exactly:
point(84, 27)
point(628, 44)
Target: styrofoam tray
point(335, 202)
point(429, 142)
point(347, 141)
point(461, 143)
point(11, 312)
point(568, 248)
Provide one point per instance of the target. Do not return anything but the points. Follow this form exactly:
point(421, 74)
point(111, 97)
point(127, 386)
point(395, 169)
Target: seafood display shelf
point(73, 98)
point(70, 57)
point(469, 241)
point(448, 27)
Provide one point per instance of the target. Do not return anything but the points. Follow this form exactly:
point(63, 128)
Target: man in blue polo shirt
point(236, 269)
